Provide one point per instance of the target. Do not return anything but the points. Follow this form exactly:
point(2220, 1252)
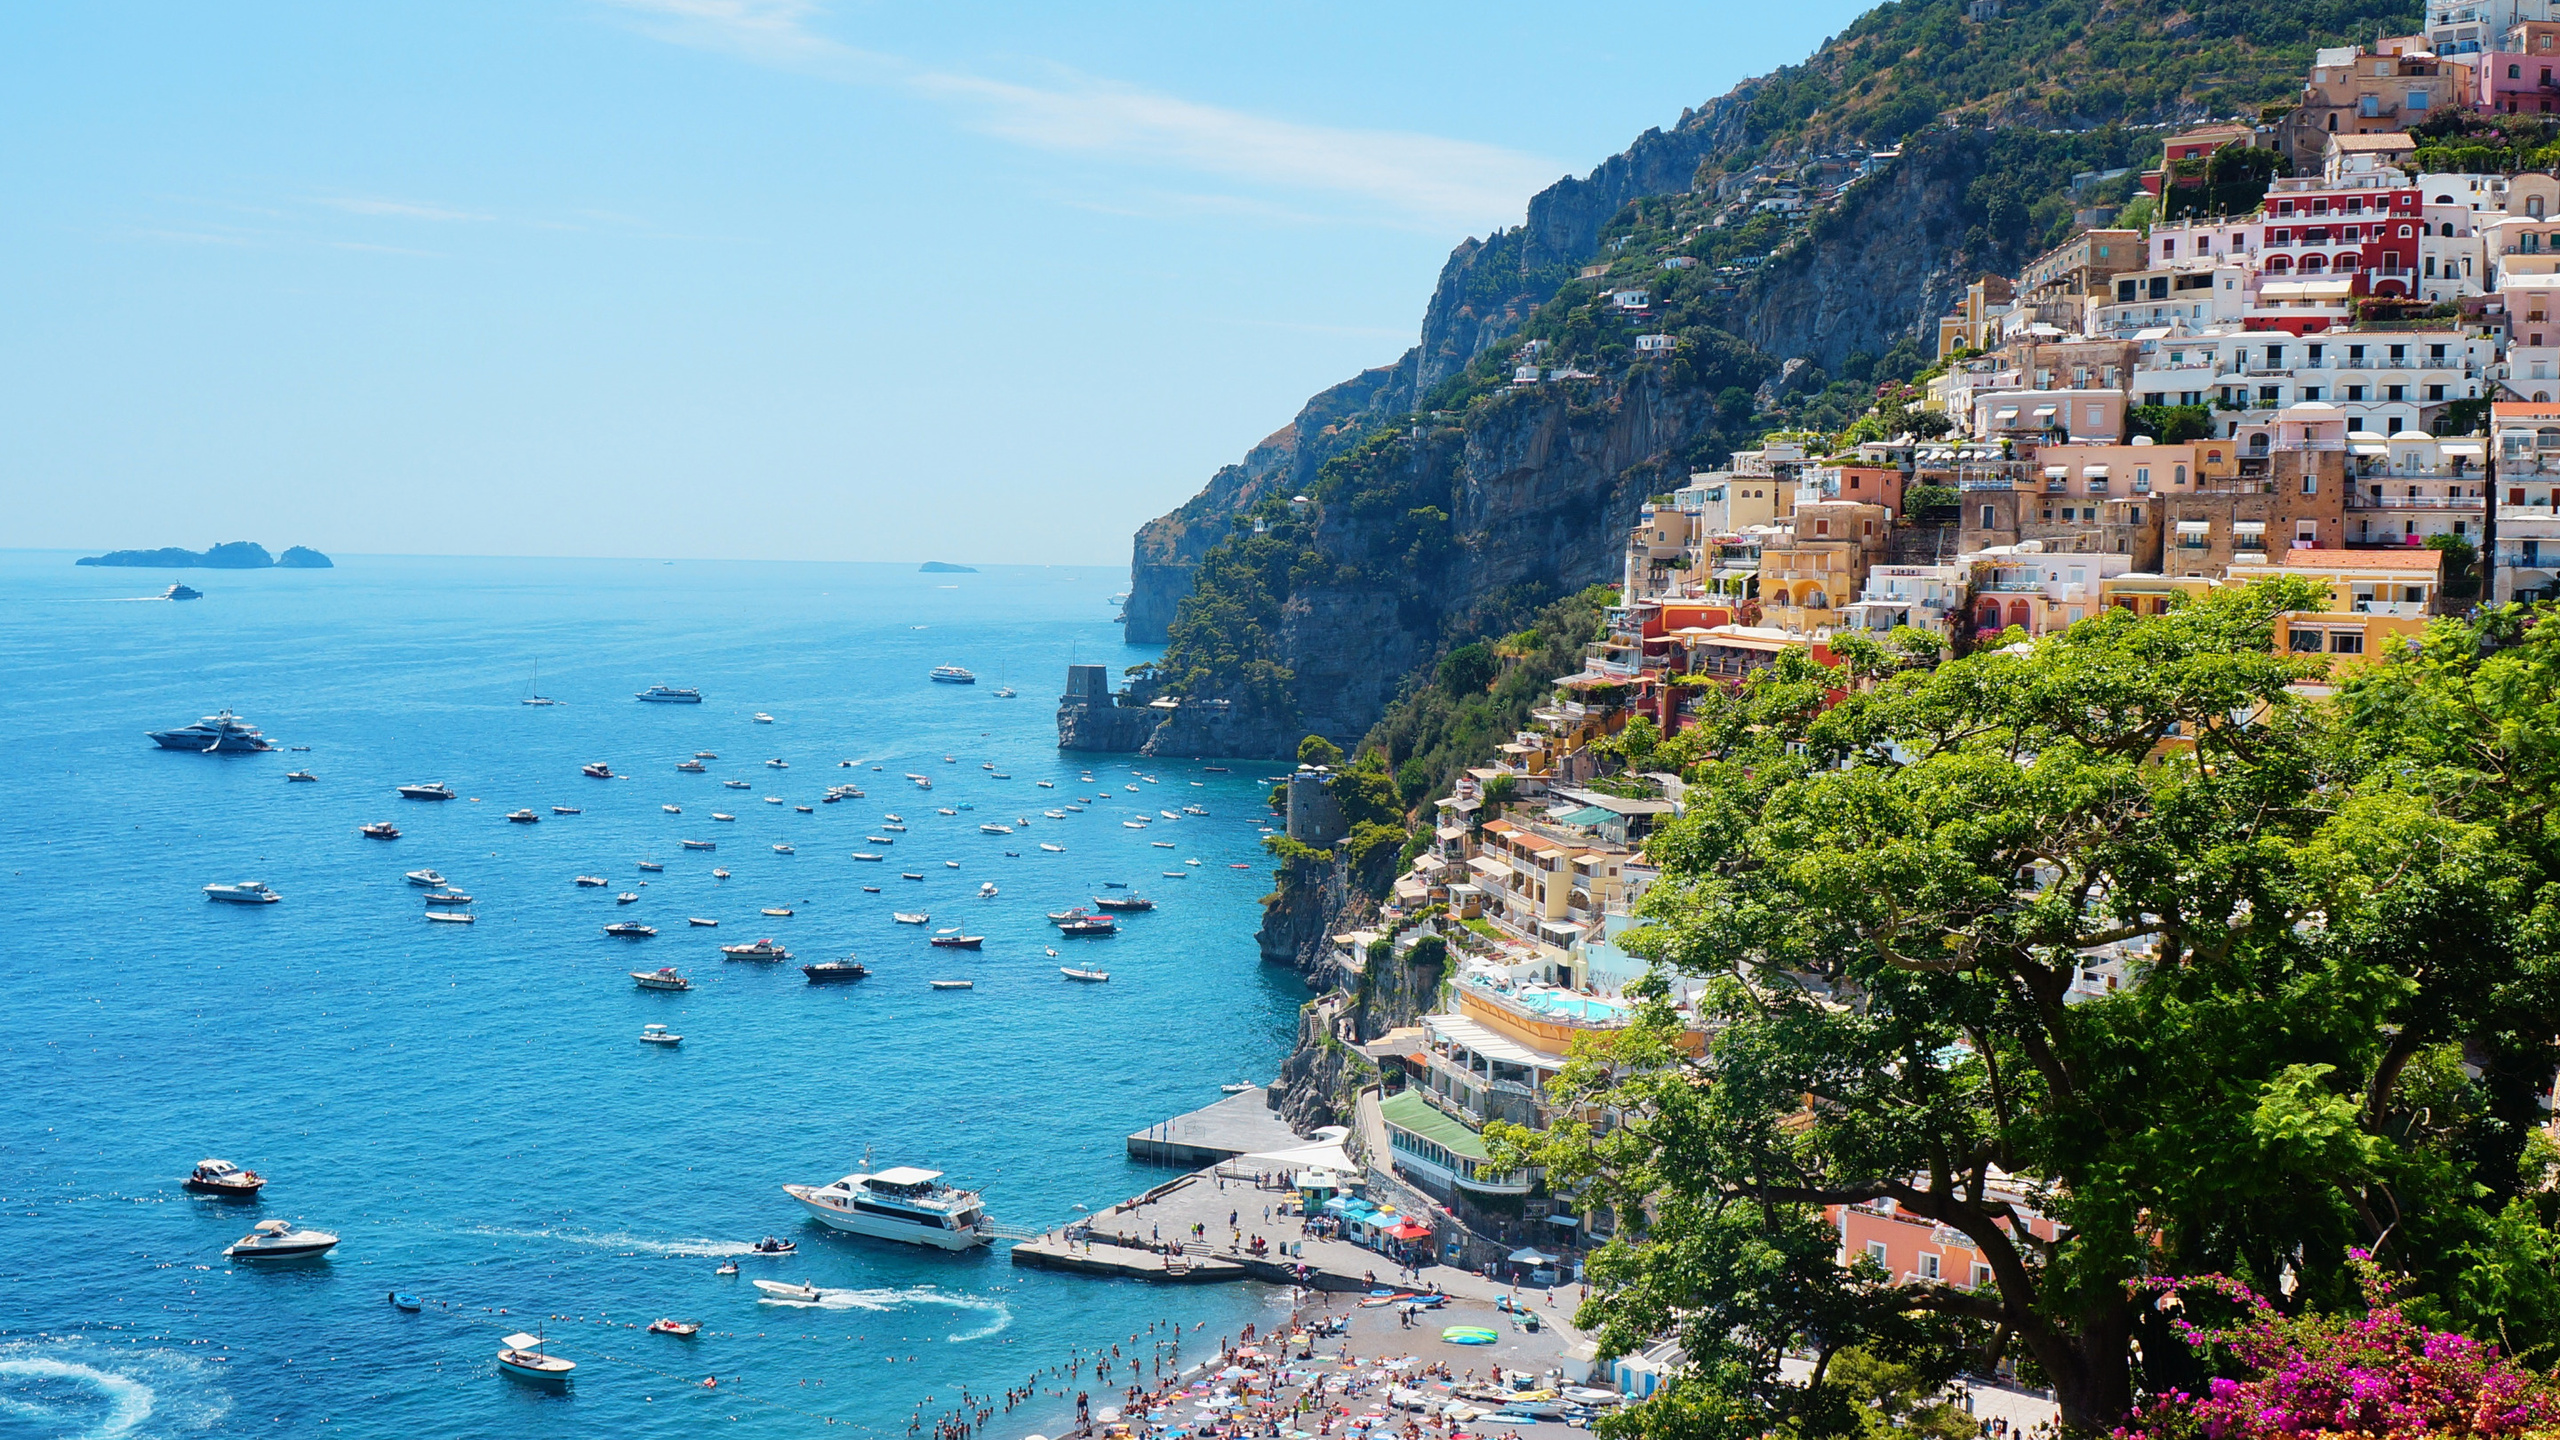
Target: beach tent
point(1322, 1155)
point(1532, 1257)
point(1410, 1229)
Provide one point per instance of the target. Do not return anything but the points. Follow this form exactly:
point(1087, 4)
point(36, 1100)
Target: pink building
point(1914, 1250)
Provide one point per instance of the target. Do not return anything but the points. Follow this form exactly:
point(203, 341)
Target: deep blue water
point(469, 1106)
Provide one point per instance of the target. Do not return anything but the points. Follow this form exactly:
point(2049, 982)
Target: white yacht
point(278, 1240)
point(247, 892)
point(902, 1203)
point(428, 879)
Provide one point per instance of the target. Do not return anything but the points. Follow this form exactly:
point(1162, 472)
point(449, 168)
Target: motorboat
point(777, 909)
point(718, 874)
point(803, 1291)
point(1194, 810)
point(764, 949)
point(247, 892)
point(1190, 862)
point(773, 799)
point(1089, 977)
point(222, 733)
point(1134, 824)
point(182, 591)
point(672, 809)
point(833, 972)
point(300, 776)
point(994, 829)
point(1047, 784)
point(432, 790)
point(909, 875)
point(958, 942)
point(652, 867)
point(221, 1177)
point(567, 810)
point(951, 675)
point(627, 897)
point(659, 1035)
point(773, 1245)
point(986, 888)
point(1072, 810)
point(446, 897)
point(1235, 1087)
point(902, 1203)
point(524, 817)
point(670, 695)
point(699, 844)
point(777, 764)
point(592, 881)
point(1169, 815)
point(662, 978)
point(379, 830)
point(706, 754)
point(737, 784)
point(944, 810)
point(525, 1358)
point(1177, 874)
point(986, 764)
point(698, 920)
point(784, 850)
point(803, 809)
point(403, 1300)
point(763, 719)
point(1161, 844)
point(1055, 814)
point(691, 767)
point(951, 864)
point(681, 1329)
point(1053, 849)
point(1005, 692)
point(599, 770)
point(868, 855)
point(870, 889)
point(1089, 925)
point(1123, 902)
point(630, 930)
point(905, 918)
point(1061, 917)
point(881, 839)
point(278, 1240)
point(727, 1267)
point(723, 817)
point(1115, 884)
point(450, 917)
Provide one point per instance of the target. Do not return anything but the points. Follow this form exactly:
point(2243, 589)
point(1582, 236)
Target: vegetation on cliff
point(1479, 694)
point(2342, 919)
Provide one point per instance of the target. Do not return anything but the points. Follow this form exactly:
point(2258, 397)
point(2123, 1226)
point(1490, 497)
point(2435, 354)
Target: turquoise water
point(468, 1105)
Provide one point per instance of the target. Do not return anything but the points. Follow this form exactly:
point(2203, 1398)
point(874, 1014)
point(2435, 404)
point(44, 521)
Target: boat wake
point(626, 1244)
point(81, 1391)
point(914, 1296)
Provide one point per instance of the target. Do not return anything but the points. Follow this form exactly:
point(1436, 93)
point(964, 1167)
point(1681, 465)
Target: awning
point(1563, 1220)
point(2246, 527)
point(1411, 1231)
point(2094, 472)
point(1588, 815)
point(2008, 412)
point(2055, 472)
point(1488, 867)
point(2043, 410)
point(2369, 447)
point(2195, 527)
point(2471, 448)
point(1531, 1256)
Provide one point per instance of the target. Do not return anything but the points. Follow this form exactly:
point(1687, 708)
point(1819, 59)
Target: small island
point(230, 555)
point(945, 567)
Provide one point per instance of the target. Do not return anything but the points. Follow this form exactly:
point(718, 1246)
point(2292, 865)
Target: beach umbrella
point(1532, 1257)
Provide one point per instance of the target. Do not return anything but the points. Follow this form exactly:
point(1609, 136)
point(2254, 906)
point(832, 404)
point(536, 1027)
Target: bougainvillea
point(2379, 1374)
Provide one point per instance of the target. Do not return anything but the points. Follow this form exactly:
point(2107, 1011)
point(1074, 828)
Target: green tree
point(1317, 750)
point(1468, 670)
point(2334, 1032)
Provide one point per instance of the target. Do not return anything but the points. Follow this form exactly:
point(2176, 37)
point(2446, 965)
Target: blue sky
point(746, 278)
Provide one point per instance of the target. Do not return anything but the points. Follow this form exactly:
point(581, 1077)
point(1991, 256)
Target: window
point(2310, 483)
point(1877, 1253)
point(1981, 1274)
point(1929, 1266)
point(1986, 517)
point(2346, 642)
point(2305, 642)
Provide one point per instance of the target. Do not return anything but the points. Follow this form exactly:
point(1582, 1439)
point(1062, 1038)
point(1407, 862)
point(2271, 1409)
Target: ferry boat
point(278, 1240)
point(221, 732)
point(831, 972)
point(662, 978)
point(599, 770)
point(952, 675)
point(221, 1177)
point(247, 892)
point(901, 1203)
point(524, 1357)
point(182, 591)
point(670, 695)
point(764, 949)
point(379, 830)
point(524, 817)
point(432, 790)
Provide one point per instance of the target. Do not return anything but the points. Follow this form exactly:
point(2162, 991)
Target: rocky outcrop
point(1111, 729)
point(229, 555)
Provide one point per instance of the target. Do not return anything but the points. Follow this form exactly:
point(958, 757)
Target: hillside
point(1823, 214)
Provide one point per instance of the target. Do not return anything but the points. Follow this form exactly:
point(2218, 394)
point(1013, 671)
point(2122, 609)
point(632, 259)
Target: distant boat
point(278, 1240)
point(1004, 692)
point(247, 892)
point(524, 1357)
point(763, 719)
point(777, 764)
point(953, 984)
point(995, 829)
point(302, 775)
point(867, 855)
point(670, 695)
point(1090, 977)
point(905, 918)
point(1053, 849)
point(698, 920)
point(222, 733)
point(952, 675)
point(833, 972)
point(380, 830)
point(524, 817)
point(1089, 925)
point(450, 917)
point(651, 866)
point(567, 810)
point(783, 850)
point(706, 755)
point(446, 897)
point(722, 815)
point(695, 767)
point(1123, 902)
point(599, 770)
point(672, 809)
point(777, 909)
point(765, 949)
point(719, 874)
point(182, 592)
point(426, 879)
point(735, 784)
point(630, 930)
point(659, 1035)
point(662, 978)
point(699, 844)
point(958, 942)
point(591, 881)
point(681, 1329)
point(533, 690)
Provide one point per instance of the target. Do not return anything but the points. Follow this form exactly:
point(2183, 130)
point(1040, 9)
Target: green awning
point(1408, 1111)
point(1587, 815)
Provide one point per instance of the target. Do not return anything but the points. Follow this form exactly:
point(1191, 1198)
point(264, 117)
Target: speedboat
point(670, 695)
point(803, 809)
point(909, 875)
point(446, 897)
point(278, 1240)
point(1090, 977)
point(1055, 814)
point(958, 942)
point(986, 889)
point(764, 949)
point(627, 897)
point(524, 1357)
point(630, 930)
point(672, 809)
point(303, 776)
point(401, 1299)
point(524, 817)
point(1089, 925)
point(221, 1177)
point(450, 917)
point(881, 839)
point(777, 909)
point(763, 719)
point(182, 592)
point(699, 844)
point(1123, 902)
point(247, 892)
point(693, 767)
point(719, 874)
point(830, 972)
point(904, 918)
point(992, 829)
point(659, 1035)
point(706, 754)
point(778, 1290)
point(773, 799)
point(727, 1267)
point(784, 850)
point(220, 733)
point(902, 1203)
point(952, 675)
point(1169, 815)
point(662, 978)
point(1053, 849)
point(681, 1329)
point(567, 810)
point(736, 784)
point(1235, 1087)
point(599, 770)
point(723, 817)
point(698, 920)
point(1194, 810)
point(379, 830)
point(432, 790)
point(952, 984)
point(1161, 844)
point(777, 764)
point(592, 881)
point(774, 1245)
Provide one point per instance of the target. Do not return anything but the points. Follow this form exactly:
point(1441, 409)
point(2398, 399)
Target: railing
point(2390, 607)
point(2415, 502)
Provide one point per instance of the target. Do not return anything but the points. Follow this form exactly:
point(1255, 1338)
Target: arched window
point(2446, 229)
point(2345, 262)
point(2279, 264)
point(2258, 442)
point(2515, 72)
point(2533, 206)
point(2313, 264)
point(2018, 614)
point(2178, 474)
point(2404, 232)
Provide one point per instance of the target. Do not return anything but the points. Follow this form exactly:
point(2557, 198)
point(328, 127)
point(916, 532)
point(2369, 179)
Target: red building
point(2367, 235)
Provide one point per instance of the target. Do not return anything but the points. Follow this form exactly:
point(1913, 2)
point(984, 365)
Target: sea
point(470, 1106)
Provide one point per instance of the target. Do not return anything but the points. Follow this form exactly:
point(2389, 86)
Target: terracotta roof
point(2374, 142)
point(2402, 557)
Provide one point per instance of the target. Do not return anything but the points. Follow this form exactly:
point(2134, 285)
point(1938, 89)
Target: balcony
point(2472, 504)
point(2411, 609)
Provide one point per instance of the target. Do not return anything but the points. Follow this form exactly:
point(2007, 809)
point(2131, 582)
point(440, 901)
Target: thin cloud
point(397, 209)
point(1388, 173)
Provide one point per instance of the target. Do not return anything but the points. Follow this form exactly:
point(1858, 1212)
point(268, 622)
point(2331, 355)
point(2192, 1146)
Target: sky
point(736, 279)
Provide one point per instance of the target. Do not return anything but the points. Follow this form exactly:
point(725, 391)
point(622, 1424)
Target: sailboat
point(533, 690)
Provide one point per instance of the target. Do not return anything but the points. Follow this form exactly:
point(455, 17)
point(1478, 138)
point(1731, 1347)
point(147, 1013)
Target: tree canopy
point(2336, 924)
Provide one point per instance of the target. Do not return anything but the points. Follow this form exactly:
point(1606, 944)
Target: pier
point(1241, 1124)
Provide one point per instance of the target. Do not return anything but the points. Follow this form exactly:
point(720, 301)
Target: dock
point(1240, 1124)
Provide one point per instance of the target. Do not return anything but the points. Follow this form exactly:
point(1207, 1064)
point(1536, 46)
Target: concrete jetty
point(1240, 1124)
